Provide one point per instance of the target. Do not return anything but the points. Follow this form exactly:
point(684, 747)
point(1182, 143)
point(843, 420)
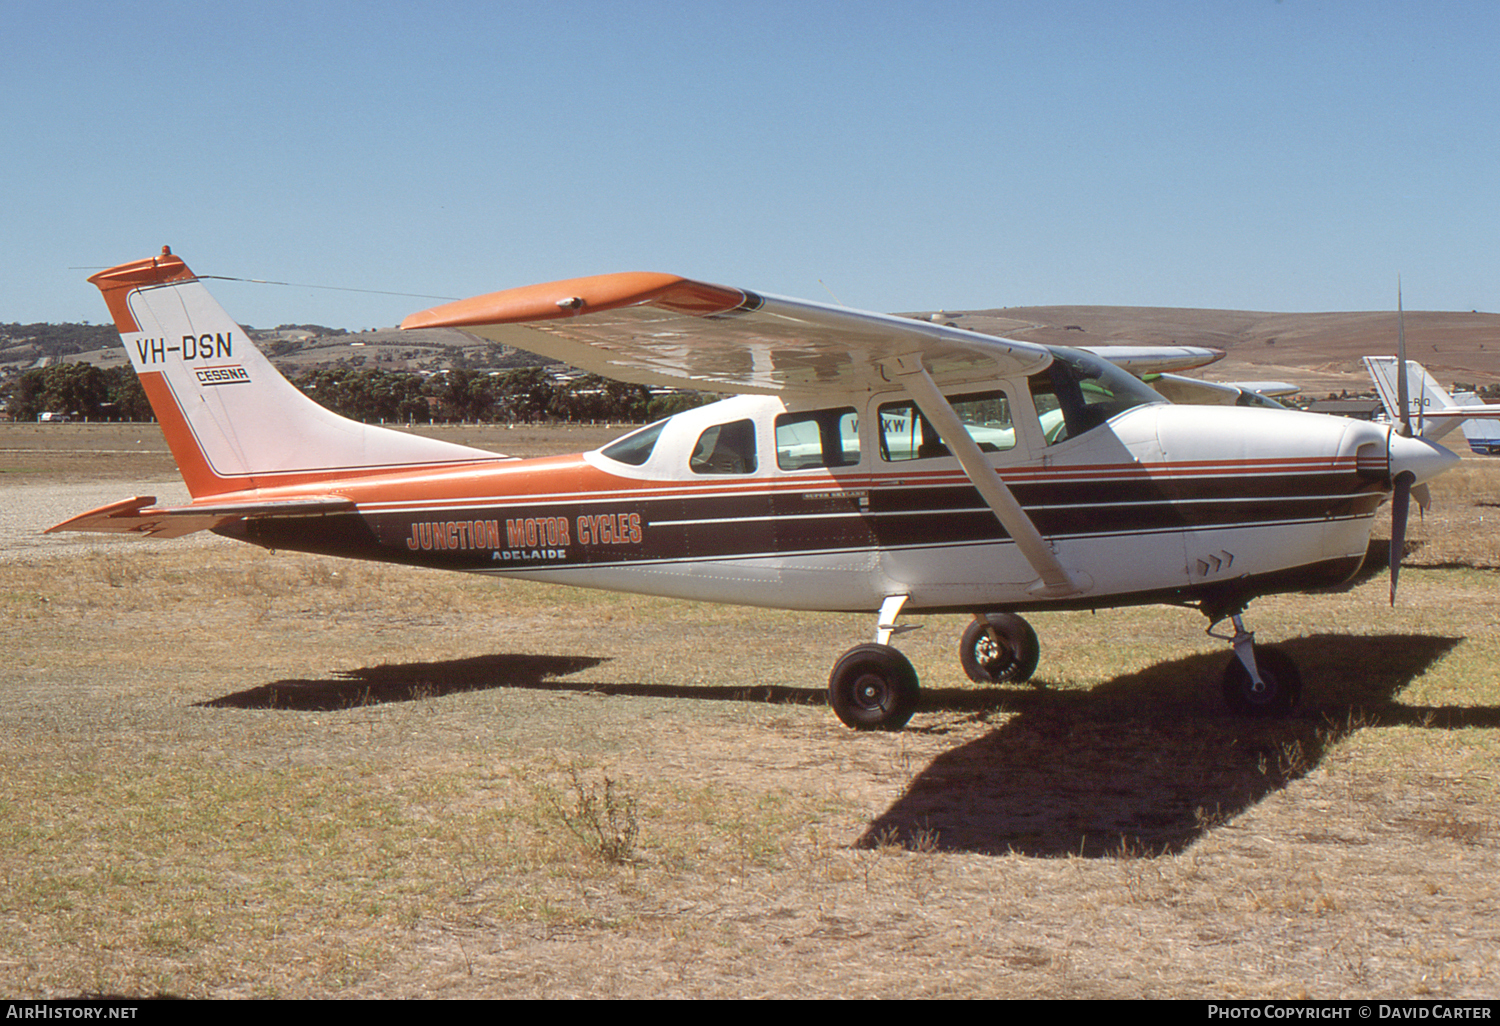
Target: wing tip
point(574, 297)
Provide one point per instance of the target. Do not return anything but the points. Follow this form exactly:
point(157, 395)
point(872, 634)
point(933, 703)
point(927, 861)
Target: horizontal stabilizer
point(140, 515)
point(1484, 411)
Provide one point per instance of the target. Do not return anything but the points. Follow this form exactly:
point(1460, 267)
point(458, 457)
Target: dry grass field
point(232, 773)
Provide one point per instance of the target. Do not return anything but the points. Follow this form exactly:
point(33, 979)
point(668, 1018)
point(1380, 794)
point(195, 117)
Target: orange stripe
point(196, 473)
point(570, 478)
point(118, 282)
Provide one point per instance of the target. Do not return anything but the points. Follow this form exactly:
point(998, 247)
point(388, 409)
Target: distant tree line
point(524, 395)
point(527, 395)
point(80, 390)
point(311, 329)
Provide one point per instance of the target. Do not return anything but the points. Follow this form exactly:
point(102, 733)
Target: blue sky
point(1245, 154)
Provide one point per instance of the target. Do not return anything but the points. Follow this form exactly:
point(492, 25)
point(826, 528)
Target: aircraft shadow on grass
point(1140, 764)
point(410, 682)
point(405, 682)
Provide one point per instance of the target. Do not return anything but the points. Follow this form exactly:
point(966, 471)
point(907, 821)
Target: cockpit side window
point(824, 438)
point(635, 448)
point(905, 434)
point(1077, 392)
point(725, 449)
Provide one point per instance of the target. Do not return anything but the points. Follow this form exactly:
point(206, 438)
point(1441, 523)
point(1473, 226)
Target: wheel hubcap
point(987, 651)
point(1263, 692)
point(870, 691)
point(992, 655)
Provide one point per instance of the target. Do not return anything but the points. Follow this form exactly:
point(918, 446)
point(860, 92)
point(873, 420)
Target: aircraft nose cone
point(1422, 459)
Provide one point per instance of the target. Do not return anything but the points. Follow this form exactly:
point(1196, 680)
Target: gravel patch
point(27, 510)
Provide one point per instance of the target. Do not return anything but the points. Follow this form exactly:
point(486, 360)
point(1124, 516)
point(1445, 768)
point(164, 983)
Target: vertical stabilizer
point(1427, 397)
point(232, 421)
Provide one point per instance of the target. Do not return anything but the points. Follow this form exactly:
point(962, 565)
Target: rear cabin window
point(905, 434)
point(825, 438)
point(725, 449)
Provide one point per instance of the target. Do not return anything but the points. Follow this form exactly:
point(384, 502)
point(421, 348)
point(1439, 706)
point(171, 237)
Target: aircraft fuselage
point(1149, 511)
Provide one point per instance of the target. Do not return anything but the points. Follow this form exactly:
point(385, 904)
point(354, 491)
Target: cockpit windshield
point(1079, 391)
point(635, 448)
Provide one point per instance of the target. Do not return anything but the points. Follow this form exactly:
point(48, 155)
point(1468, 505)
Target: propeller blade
point(1423, 495)
point(1400, 507)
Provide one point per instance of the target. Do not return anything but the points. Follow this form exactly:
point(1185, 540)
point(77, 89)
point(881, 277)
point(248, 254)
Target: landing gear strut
point(1259, 681)
point(873, 687)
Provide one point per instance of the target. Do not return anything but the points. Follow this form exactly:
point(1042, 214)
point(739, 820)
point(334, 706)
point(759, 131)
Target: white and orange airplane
point(866, 463)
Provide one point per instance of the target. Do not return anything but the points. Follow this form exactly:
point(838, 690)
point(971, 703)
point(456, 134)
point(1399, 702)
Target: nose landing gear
point(1259, 681)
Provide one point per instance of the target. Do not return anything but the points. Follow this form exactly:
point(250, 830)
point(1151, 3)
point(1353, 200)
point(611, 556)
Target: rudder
point(232, 421)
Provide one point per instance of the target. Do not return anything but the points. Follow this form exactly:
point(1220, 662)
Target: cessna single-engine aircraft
point(866, 463)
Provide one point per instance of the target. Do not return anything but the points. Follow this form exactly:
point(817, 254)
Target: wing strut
point(1056, 581)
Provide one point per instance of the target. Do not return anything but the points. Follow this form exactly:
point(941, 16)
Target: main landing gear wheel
point(1280, 691)
point(1000, 648)
point(873, 687)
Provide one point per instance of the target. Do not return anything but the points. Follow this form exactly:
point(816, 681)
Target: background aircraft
point(1437, 413)
point(865, 463)
point(1195, 391)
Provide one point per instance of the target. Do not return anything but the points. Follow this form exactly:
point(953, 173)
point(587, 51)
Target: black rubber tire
point(1282, 692)
point(1013, 659)
point(873, 687)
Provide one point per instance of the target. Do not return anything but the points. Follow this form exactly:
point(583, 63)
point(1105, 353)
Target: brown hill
point(1318, 351)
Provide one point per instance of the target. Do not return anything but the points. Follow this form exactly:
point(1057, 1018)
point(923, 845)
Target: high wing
point(1195, 392)
point(664, 330)
point(1142, 360)
point(661, 329)
point(1268, 388)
